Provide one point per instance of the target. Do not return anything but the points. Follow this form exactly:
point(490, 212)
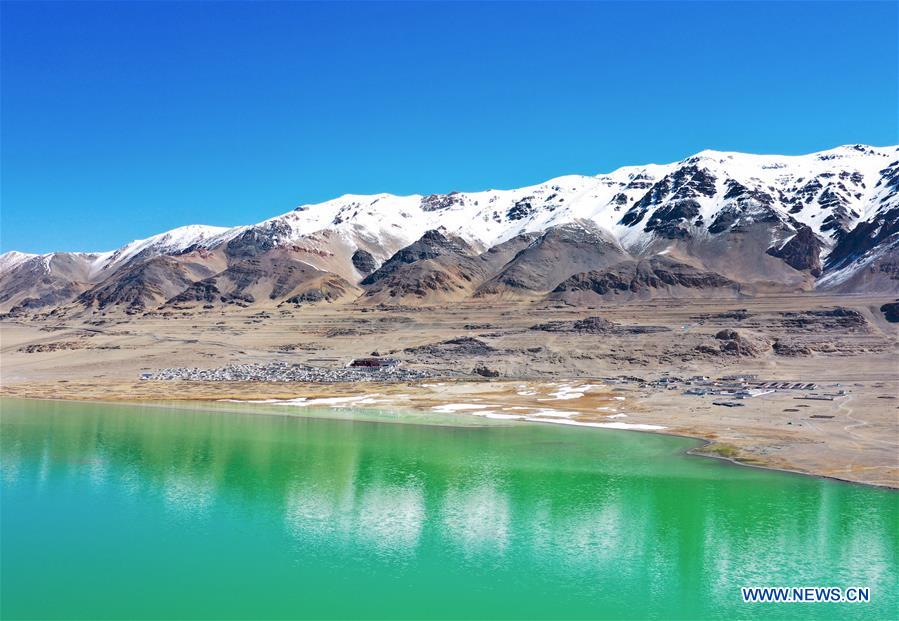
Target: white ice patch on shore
point(344, 401)
point(304, 402)
point(629, 426)
point(550, 412)
point(536, 414)
point(499, 416)
point(538, 411)
point(449, 408)
point(567, 391)
point(565, 421)
point(487, 411)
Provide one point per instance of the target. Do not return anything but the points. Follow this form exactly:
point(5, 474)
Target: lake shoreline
point(708, 447)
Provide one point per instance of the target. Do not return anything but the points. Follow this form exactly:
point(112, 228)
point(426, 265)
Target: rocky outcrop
point(732, 343)
point(204, 291)
point(590, 325)
point(863, 237)
point(439, 202)
point(839, 318)
point(257, 240)
point(364, 262)
point(328, 288)
point(645, 278)
point(801, 252)
point(673, 202)
point(461, 346)
point(791, 349)
point(484, 371)
point(890, 311)
point(595, 325)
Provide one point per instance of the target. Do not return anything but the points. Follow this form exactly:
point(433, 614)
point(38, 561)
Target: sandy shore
point(560, 378)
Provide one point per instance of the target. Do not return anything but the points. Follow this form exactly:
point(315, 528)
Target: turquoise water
point(115, 511)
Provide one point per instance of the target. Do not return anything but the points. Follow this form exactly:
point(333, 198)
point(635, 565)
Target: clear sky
point(123, 119)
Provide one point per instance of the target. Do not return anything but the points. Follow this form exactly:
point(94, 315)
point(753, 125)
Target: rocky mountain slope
point(658, 276)
point(826, 221)
point(562, 250)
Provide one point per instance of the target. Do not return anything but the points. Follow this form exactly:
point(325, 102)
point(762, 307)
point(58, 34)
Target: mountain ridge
point(791, 220)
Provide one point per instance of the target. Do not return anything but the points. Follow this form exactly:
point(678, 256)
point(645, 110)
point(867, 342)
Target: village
point(359, 370)
point(729, 391)
point(734, 388)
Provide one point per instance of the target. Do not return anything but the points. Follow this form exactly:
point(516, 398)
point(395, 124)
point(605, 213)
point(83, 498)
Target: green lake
point(114, 511)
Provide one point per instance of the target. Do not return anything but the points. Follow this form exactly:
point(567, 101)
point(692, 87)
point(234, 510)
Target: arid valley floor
point(631, 366)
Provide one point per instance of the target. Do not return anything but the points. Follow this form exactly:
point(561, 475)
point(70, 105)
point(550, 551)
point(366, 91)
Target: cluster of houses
point(360, 370)
point(789, 385)
point(739, 387)
point(735, 387)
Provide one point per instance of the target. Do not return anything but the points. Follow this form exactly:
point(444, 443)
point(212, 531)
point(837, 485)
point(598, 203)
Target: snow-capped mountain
point(827, 219)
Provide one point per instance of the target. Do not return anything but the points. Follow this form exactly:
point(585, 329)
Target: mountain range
point(716, 224)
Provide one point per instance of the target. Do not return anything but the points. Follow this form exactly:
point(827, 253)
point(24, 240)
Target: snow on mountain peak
point(828, 191)
point(11, 259)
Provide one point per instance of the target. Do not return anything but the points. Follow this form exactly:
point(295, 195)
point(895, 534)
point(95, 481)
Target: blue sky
point(121, 120)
